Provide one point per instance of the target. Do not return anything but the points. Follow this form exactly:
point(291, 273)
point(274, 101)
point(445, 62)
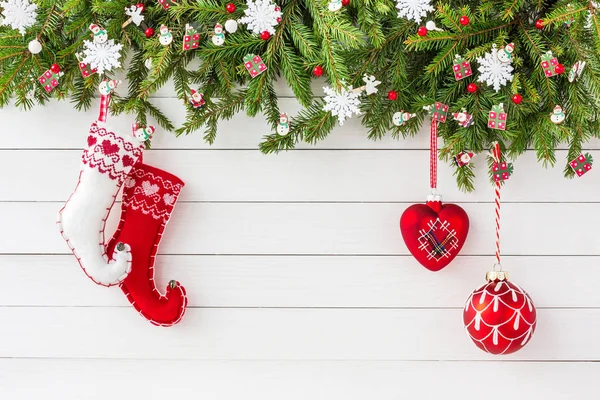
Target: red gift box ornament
point(549, 63)
point(86, 69)
point(254, 64)
point(191, 39)
point(461, 67)
point(437, 111)
point(167, 3)
point(497, 117)
point(501, 171)
point(582, 164)
point(49, 80)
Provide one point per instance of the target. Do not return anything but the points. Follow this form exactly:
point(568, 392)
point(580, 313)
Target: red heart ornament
point(434, 232)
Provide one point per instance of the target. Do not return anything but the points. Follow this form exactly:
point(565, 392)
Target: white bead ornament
point(231, 25)
point(431, 26)
point(35, 47)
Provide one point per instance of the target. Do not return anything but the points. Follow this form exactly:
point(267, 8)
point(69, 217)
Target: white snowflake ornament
point(19, 14)
point(102, 56)
point(414, 10)
point(493, 71)
point(261, 15)
point(342, 104)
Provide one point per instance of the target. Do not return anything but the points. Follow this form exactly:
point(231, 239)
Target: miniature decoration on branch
point(414, 10)
point(433, 232)
point(102, 54)
point(499, 316)
point(497, 117)
point(463, 158)
point(191, 38)
point(49, 79)
point(461, 67)
point(576, 71)
point(400, 118)
point(261, 16)
point(218, 37)
point(343, 103)
point(254, 65)
point(19, 14)
point(582, 164)
point(557, 116)
point(495, 70)
point(550, 65)
point(464, 119)
point(196, 98)
point(283, 127)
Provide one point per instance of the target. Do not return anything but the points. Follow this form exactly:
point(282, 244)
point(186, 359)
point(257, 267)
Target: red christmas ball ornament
point(464, 20)
point(345, 3)
point(559, 69)
point(517, 98)
point(142, 6)
point(472, 88)
point(149, 32)
point(499, 316)
point(392, 95)
point(422, 31)
point(55, 68)
point(230, 7)
point(265, 35)
point(318, 71)
point(539, 24)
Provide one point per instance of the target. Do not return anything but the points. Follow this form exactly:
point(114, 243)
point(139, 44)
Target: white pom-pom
point(231, 25)
point(431, 26)
point(34, 46)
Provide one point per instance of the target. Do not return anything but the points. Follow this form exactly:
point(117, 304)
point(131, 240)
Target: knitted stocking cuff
point(111, 154)
point(152, 191)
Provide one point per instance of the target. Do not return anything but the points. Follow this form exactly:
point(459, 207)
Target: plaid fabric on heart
point(439, 240)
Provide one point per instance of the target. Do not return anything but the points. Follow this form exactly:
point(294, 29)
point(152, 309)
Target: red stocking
point(148, 199)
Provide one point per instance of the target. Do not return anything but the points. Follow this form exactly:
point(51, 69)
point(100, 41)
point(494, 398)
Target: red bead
point(345, 3)
point(265, 35)
point(500, 317)
point(559, 69)
point(318, 71)
point(392, 95)
point(422, 31)
point(55, 68)
point(539, 24)
point(149, 32)
point(230, 7)
point(464, 20)
point(472, 88)
point(517, 98)
point(142, 6)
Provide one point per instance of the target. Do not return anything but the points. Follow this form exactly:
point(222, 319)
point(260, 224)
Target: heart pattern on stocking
point(149, 189)
point(109, 148)
point(434, 233)
point(91, 141)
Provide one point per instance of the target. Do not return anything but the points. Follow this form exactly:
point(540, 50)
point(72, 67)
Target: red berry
point(55, 68)
point(392, 95)
point(472, 88)
point(149, 32)
point(539, 24)
point(464, 20)
point(142, 6)
point(318, 71)
point(559, 69)
point(265, 35)
point(517, 98)
point(422, 31)
point(230, 7)
point(345, 3)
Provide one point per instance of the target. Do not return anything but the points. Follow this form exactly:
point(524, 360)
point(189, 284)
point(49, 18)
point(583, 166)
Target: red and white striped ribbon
point(496, 156)
point(104, 101)
point(433, 154)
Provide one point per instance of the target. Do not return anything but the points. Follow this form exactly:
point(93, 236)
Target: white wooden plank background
point(300, 285)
